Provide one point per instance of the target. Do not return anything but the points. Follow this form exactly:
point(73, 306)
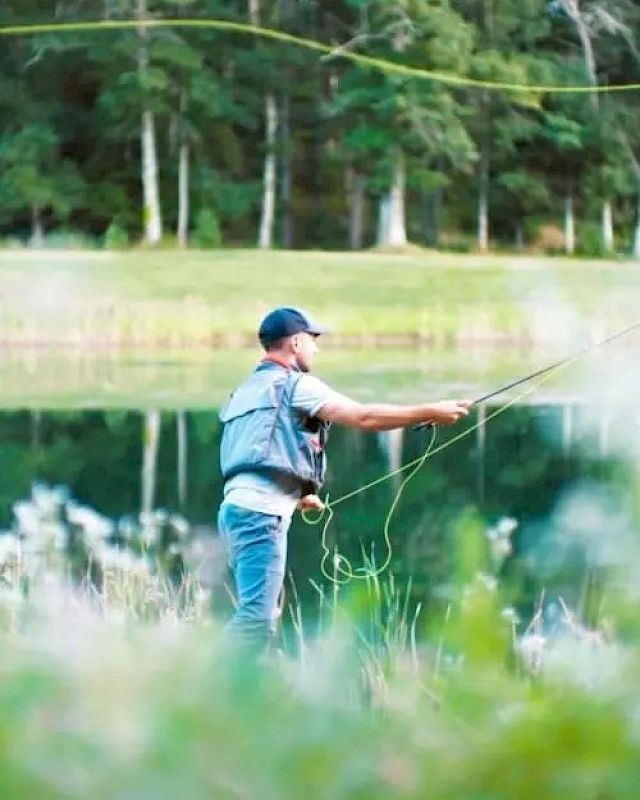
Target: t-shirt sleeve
point(310, 394)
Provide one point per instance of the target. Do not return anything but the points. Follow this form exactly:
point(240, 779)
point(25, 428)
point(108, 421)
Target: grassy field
point(174, 298)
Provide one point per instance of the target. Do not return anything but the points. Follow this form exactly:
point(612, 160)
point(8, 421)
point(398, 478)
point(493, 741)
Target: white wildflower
point(179, 524)
point(506, 526)
point(160, 516)
point(510, 615)
point(27, 517)
point(127, 527)
point(9, 547)
point(123, 560)
point(531, 649)
point(48, 500)
point(500, 549)
point(94, 525)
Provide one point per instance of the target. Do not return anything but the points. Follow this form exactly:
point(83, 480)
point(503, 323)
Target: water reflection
point(520, 466)
point(202, 378)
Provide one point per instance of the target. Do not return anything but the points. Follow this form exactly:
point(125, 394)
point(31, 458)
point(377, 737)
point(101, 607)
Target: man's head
point(291, 334)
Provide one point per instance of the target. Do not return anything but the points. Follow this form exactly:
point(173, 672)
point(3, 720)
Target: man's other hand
point(310, 502)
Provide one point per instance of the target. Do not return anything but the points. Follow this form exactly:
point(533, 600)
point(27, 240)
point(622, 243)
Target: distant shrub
point(115, 237)
point(589, 242)
point(207, 229)
point(63, 239)
point(548, 238)
point(456, 242)
point(11, 243)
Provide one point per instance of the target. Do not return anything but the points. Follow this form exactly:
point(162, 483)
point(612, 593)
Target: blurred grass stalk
point(101, 697)
point(116, 682)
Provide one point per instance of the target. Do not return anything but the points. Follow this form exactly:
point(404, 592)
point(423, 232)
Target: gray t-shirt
point(279, 496)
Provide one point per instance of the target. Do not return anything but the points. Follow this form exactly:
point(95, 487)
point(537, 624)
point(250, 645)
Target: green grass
point(98, 705)
point(176, 298)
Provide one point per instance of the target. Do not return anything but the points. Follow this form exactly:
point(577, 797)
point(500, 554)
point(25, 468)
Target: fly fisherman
point(273, 461)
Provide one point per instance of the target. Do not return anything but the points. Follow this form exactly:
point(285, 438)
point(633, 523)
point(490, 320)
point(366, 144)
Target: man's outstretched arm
point(385, 417)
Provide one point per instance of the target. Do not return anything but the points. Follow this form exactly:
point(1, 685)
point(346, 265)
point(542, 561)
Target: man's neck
point(280, 358)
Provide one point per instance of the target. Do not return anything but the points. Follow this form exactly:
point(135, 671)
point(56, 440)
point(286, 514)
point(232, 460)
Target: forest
point(180, 135)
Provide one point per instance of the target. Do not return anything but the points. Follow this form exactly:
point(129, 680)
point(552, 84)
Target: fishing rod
point(587, 349)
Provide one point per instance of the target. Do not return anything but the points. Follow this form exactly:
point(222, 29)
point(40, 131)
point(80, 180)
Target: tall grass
point(116, 683)
point(177, 300)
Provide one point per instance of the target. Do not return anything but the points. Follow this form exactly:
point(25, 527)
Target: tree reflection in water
point(519, 467)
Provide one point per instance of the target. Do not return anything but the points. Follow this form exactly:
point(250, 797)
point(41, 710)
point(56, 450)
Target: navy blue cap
point(287, 321)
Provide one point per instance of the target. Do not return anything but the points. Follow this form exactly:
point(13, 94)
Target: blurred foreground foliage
point(100, 700)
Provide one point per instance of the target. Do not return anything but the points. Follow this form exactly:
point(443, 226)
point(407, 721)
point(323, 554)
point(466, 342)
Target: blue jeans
point(256, 546)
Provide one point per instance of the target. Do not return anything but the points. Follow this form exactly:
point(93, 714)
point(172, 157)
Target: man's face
point(305, 348)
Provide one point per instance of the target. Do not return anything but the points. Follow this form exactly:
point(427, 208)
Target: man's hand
point(310, 502)
point(446, 412)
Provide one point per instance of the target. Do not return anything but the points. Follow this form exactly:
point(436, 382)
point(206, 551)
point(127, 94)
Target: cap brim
point(317, 330)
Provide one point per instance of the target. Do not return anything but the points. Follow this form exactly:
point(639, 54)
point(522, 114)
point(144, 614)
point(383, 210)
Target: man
point(272, 458)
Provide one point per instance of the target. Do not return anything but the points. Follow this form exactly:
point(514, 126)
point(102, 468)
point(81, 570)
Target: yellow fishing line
point(310, 44)
point(343, 572)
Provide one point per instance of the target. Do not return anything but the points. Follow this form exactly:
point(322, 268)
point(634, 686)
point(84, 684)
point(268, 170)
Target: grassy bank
point(183, 299)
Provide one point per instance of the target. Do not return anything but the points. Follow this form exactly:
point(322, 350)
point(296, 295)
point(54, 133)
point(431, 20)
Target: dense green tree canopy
point(104, 129)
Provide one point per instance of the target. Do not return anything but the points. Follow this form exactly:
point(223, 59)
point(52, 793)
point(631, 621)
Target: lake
point(140, 430)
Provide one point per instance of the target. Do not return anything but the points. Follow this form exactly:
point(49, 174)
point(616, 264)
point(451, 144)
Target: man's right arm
point(385, 417)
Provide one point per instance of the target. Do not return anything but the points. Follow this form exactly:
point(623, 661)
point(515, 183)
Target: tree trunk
point(569, 225)
point(433, 205)
point(267, 215)
point(181, 431)
point(355, 187)
point(254, 12)
point(636, 235)
point(483, 202)
point(287, 172)
point(518, 238)
point(574, 13)
point(37, 231)
point(608, 241)
point(183, 195)
point(152, 219)
point(152, 216)
point(391, 222)
point(265, 236)
point(184, 153)
point(151, 440)
point(391, 442)
point(635, 169)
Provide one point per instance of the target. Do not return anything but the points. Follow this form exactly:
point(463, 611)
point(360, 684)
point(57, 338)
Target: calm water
point(525, 465)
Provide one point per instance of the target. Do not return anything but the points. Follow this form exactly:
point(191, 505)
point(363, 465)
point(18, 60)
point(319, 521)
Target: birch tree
point(151, 213)
point(396, 124)
point(268, 204)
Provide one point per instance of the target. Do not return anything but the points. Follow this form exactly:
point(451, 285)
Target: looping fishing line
point(343, 572)
point(328, 51)
point(347, 572)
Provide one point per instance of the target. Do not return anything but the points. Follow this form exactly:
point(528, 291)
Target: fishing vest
point(262, 433)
